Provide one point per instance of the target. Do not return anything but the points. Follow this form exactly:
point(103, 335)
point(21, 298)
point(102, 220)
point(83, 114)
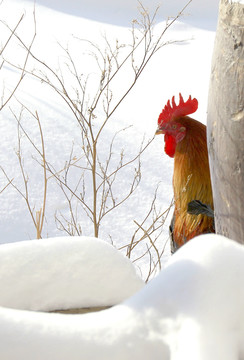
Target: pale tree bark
point(226, 121)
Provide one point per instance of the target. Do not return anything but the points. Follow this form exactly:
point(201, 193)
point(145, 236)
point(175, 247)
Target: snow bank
point(122, 12)
point(64, 273)
point(192, 310)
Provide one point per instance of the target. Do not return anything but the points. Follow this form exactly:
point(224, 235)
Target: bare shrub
point(93, 100)
point(37, 215)
point(7, 41)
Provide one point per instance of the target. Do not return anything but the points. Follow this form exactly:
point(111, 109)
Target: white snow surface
point(64, 273)
point(192, 310)
point(201, 13)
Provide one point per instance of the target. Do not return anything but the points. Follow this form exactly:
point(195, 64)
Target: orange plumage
point(185, 140)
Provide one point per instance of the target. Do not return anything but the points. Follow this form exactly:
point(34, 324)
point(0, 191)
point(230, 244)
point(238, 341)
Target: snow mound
point(64, 273)
point(192, 310)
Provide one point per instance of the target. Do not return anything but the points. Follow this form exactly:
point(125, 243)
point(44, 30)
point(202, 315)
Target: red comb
point(175, 111)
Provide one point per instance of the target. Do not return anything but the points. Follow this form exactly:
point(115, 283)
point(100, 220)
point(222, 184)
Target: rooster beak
point(159, 131)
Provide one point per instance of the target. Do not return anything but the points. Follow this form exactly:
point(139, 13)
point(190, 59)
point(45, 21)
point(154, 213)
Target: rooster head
point(169, 124)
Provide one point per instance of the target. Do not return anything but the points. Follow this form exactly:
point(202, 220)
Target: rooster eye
point(174, 126)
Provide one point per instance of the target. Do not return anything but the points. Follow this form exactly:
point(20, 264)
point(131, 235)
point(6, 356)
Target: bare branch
point(38, 217)
point(23, 68)
point(5, 187)
point(12, 32)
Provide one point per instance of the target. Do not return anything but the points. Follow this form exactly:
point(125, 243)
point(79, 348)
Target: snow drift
point(192, 310)
point(64, 273)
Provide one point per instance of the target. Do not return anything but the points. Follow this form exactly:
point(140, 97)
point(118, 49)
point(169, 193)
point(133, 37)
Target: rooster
point(185, 141)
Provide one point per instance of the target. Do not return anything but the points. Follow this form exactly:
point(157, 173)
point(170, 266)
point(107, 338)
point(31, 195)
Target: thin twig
point(23, 68)
point(5, 187)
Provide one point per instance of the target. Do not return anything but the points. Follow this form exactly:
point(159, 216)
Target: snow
point(192, 310)
point(64, 273)
point(199, 13)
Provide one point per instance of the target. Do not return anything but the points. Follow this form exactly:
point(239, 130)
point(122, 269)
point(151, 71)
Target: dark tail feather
point(196, 207)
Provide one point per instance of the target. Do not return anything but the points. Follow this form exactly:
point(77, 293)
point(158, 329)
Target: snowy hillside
point(201, 13)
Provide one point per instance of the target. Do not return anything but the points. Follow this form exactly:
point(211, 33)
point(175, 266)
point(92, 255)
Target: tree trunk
point(226, 121)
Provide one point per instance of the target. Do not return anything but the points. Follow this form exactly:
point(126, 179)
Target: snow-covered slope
point(193, 310)
point(201, 13)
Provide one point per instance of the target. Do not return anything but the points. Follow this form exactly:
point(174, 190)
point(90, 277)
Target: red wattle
point(170, 145)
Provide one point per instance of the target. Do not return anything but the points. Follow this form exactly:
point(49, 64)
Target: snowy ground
point(187, 312)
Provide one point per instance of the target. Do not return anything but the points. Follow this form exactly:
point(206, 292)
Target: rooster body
point(185, 140)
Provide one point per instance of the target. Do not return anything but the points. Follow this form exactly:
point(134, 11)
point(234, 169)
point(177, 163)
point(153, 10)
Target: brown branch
point(23, 68)
point(12, 32)
point(5, 187)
